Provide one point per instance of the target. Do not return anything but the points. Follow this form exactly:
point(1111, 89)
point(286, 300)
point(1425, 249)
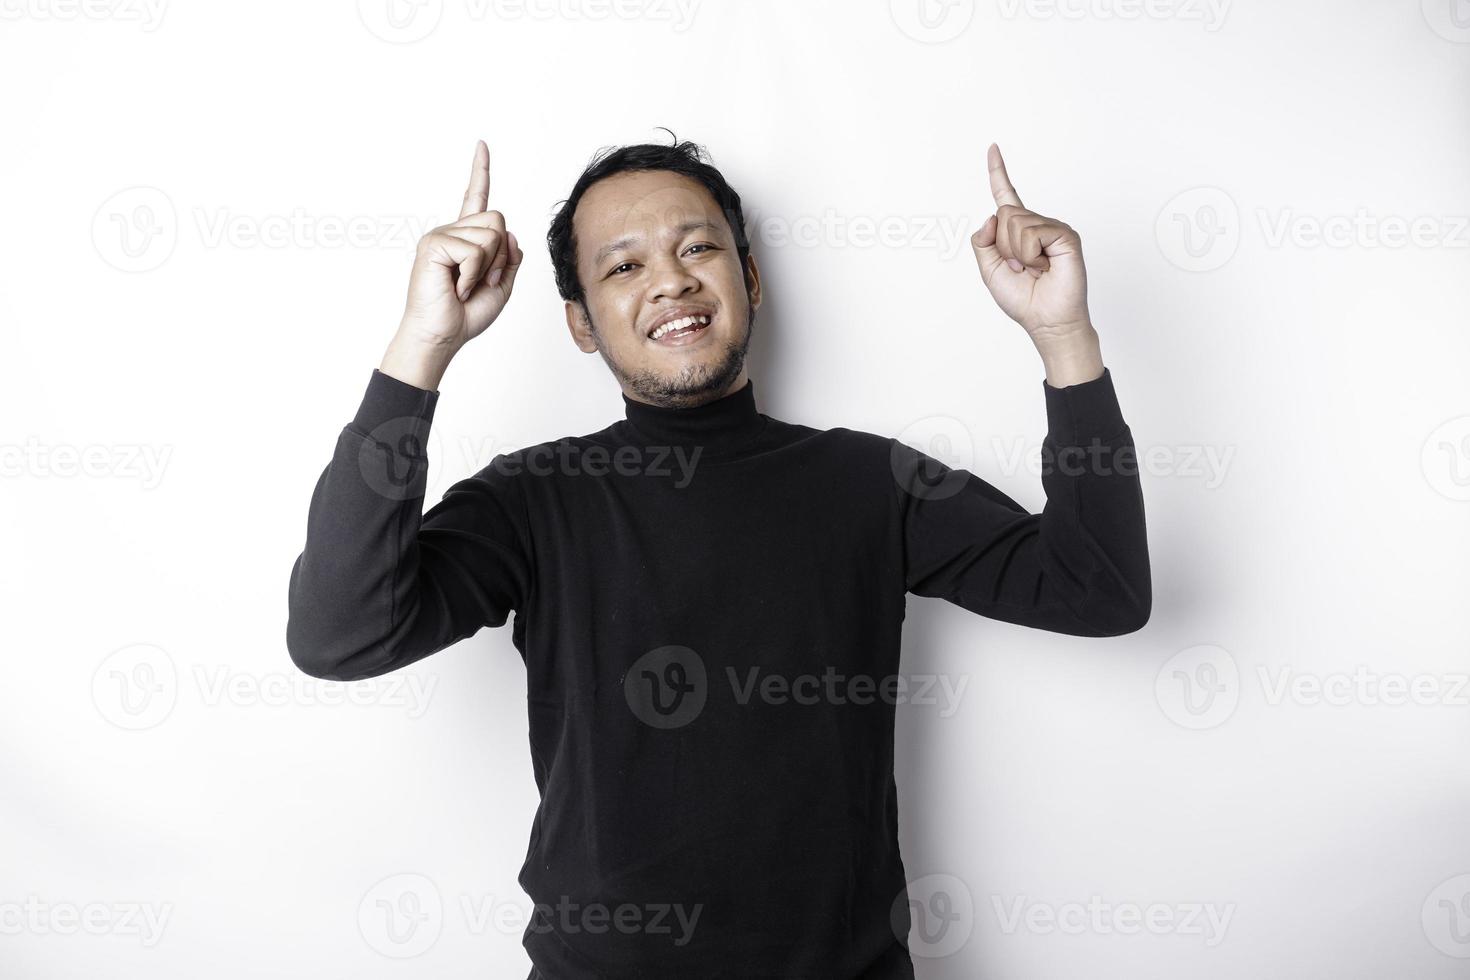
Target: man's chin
point(688, 380)
point(686, 385)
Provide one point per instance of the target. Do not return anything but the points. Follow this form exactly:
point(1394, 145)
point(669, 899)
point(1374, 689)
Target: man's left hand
point(1032, 266)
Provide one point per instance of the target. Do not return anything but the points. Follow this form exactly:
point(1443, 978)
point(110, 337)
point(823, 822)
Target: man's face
point(653, 245)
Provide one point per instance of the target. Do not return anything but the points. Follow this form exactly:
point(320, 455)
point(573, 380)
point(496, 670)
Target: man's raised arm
point(1081, 566)
point(380, 584)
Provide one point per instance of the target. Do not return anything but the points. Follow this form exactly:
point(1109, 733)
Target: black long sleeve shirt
point(709, 605)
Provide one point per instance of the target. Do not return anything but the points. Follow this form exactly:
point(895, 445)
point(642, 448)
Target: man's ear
point(580, 327)
point(752, 281)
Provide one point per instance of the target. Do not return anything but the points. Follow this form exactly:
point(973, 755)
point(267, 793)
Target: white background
point(1272, 200)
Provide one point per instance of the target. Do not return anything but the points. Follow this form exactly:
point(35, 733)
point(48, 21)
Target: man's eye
point(628, 265)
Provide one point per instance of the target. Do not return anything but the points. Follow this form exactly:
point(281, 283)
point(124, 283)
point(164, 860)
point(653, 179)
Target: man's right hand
point(462, 277)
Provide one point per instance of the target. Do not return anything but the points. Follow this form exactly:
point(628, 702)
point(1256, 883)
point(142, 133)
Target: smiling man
point(712, 650)
point(688, 341)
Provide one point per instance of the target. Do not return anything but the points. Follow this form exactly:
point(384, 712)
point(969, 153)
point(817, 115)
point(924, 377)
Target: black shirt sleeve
point(381, 584)
point(1079, 567)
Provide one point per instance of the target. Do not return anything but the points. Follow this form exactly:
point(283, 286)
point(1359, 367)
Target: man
point(708, 600)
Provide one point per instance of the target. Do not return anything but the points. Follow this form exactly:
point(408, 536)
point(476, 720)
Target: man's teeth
point(679, 324)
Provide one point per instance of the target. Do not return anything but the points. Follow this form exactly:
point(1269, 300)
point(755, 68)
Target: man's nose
point(671, 280)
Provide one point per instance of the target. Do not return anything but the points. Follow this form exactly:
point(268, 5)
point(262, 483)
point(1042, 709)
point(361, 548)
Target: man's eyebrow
point(627, 240)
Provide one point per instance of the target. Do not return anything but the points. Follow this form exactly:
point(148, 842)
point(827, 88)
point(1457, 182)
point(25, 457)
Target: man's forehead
point(636, 205)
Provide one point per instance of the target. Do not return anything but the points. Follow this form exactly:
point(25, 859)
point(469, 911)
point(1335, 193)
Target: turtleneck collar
point(720, 426)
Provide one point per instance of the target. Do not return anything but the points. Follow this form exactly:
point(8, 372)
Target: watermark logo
point(400, 21)
point(396, 457)
point(677, 13)
point(1446, 917)
point(834, 687)
point(1445, 459)
point(932, 21)
point(223, 227)
point(1207, 463)
point(134, 920)
point(1450, 19)
point(136, 229)
point(947, 234)
point(1210, 13)
point(95, 461)
point(597, 918)
point(667, 687)
point(407, 904)
point(670, 687)
point(936, 913)
point(1362, 229)
point(1201, 686)
point(1205, 920)
point(1198, 230)
point(1198, 687)
point(136, 687)
point(931, 457)
point(401, 916)
point(1363, 687)
point(146, 13)
point(407, 21)
point(568, 458)
point(407, 691)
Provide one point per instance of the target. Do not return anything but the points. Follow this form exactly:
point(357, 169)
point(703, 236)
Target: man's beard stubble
point(695, 385)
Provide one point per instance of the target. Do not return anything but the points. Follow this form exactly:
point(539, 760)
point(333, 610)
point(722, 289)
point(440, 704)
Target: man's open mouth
point(680, 329)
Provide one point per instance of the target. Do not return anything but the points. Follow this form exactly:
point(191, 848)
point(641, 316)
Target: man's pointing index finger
point(1000, 182)
point(477, 197)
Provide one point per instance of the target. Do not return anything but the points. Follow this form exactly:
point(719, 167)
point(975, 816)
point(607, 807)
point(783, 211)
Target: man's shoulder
point(845, 437)
point(527, 458)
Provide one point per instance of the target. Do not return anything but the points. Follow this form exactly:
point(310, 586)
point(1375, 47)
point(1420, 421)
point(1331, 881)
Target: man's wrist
point(417, 362)
point(1072, 359)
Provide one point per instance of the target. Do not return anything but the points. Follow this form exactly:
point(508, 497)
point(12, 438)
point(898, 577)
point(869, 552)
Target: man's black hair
point(686, 158)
